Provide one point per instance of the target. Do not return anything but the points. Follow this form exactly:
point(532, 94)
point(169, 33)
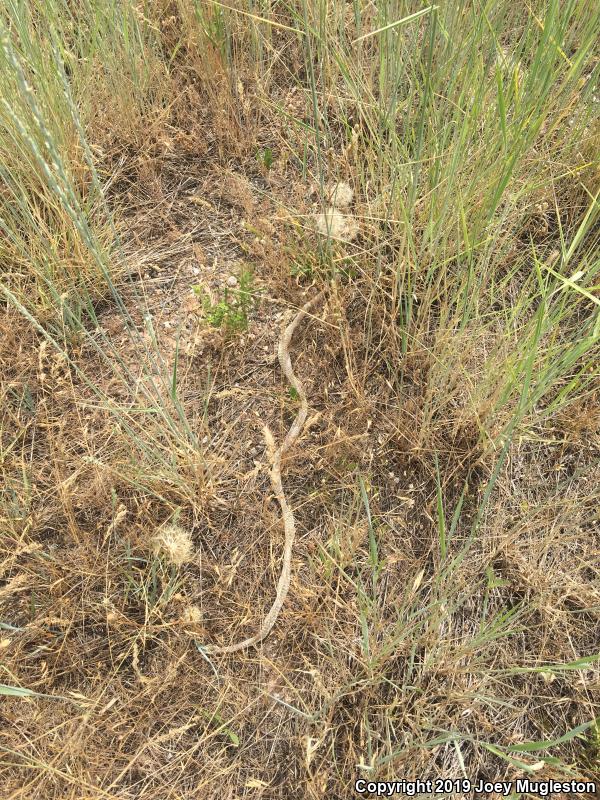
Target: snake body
point(275, 456)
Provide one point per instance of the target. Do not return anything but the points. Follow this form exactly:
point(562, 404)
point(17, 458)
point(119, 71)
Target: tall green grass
point(66, 70)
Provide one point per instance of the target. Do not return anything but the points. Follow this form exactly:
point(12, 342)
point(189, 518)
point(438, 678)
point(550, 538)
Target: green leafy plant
point(265, 158)
point(231, 311)
point(301, 269)
point(219, 725)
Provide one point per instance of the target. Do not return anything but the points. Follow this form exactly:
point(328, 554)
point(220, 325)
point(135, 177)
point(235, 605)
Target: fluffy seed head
point(340, 194)
point(192, 615)
point(175, 543)
point(336, 225)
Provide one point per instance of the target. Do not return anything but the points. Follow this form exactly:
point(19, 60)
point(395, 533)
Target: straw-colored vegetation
point(176, 179)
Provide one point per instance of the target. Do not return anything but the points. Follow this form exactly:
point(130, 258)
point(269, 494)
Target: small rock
point(232, 281)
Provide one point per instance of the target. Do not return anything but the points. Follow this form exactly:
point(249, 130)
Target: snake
point(275, 455)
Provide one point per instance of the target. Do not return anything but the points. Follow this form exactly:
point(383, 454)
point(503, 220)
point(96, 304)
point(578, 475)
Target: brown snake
point(275, 456)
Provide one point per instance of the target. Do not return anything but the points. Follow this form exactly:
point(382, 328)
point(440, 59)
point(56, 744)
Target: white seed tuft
point(336, 225)
point(192, 615)
point(174, 543)
point(340, 194)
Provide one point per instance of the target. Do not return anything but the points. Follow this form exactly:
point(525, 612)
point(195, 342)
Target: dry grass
point(444, 608)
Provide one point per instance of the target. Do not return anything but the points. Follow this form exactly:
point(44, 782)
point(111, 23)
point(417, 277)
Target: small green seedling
point(218, 724)
point(265, 158)
point(300, 269)
point(230, 312)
